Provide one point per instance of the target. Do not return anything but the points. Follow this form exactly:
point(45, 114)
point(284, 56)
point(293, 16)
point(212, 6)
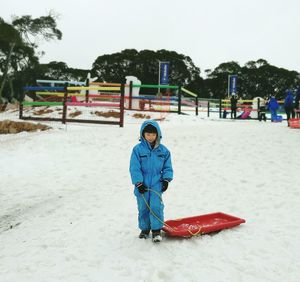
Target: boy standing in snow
point(151, 171)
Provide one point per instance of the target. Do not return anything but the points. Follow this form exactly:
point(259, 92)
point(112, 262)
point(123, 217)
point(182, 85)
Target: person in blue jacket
point(273, 107)
point(151, 171)
point(297, 99)
point(289, 105)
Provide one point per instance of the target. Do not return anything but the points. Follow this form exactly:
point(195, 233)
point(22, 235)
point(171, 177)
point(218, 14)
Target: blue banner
point(232, 84)
point(164, 73)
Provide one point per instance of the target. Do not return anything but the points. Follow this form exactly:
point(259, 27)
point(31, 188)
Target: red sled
point(201, 224)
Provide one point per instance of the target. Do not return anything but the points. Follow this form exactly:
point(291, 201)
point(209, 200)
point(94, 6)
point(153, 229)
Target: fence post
point(130, 95)
point(122, 106)
point(65, 99)
point(196, 105)
point(21, 105)
point(179, 100)
point(87, 91)
point(21, 110)
point(258, 106)
point(208, 106)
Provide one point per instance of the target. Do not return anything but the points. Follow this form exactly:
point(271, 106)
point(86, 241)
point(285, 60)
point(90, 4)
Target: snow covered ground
point(68, 213)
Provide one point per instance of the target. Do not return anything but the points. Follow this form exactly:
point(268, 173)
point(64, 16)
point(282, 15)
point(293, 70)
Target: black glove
point(142, 188)
point(165, 184)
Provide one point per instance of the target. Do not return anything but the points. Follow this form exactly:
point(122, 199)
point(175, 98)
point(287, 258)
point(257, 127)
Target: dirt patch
point(75, 114)
point(42, 112)
point(9, 107)
point(11, 127)
point(107, 114)
point(141, 116)
point(3, 107)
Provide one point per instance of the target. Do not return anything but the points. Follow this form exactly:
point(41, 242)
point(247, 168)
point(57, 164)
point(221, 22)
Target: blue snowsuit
point(273, 107)
point(150, 166)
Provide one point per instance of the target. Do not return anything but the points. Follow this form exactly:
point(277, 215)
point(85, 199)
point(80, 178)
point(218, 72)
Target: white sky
point(210, 32)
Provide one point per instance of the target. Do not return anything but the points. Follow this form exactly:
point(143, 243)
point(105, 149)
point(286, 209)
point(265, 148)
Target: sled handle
point(197, 232)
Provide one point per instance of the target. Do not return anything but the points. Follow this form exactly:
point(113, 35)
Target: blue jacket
point(297, 98)
point(273, 104)
point(289, 99)
point(150, 166)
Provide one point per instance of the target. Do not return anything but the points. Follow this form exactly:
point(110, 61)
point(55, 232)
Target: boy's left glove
point(165, 184)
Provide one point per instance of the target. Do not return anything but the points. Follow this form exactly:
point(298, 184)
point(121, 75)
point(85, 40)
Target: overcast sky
point(211, 32)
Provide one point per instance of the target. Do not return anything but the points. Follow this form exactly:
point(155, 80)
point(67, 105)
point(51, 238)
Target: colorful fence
point(167, 102)
point(98, 94)
point(78, 97)
point(156, 102)
point(247, 106)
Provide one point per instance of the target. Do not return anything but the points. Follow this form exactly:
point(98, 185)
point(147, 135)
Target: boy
point(151, 171)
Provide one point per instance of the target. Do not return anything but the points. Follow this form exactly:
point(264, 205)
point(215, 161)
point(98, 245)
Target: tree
point(255, 79)
point(144, 65)
point(19, 42)
point(60, 71)
point(30, 29)
point(217, 82)
point(10, 39)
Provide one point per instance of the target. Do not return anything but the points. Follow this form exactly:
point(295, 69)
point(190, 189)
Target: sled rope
point(152, 212)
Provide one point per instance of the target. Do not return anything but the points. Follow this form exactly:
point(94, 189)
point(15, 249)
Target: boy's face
point(150, 137)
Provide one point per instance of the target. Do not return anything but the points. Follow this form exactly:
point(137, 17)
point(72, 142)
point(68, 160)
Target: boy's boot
point(144, 234)
point(156, 236)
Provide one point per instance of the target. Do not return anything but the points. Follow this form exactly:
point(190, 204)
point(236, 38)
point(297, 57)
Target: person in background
point(273, 107)
point(262, 110)
point(151, 171)
point(233, 104)
point(289, 105)
point(297, 98)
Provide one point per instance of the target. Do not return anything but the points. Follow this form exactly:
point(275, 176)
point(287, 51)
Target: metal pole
point(208, 106)
point(228, 85)
point(130, 95)
point(158, 78)
point(87, 91)
point(258, 106)
point(64, 115)
point(179, 100)
point(21, 110)
point(122, 106)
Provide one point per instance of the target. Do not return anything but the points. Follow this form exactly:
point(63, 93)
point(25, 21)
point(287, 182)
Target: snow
point(68, 212)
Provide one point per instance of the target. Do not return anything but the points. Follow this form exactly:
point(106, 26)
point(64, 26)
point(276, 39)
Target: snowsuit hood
point(156, 125)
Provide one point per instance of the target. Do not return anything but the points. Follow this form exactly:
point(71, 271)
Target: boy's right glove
point(142, 188)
